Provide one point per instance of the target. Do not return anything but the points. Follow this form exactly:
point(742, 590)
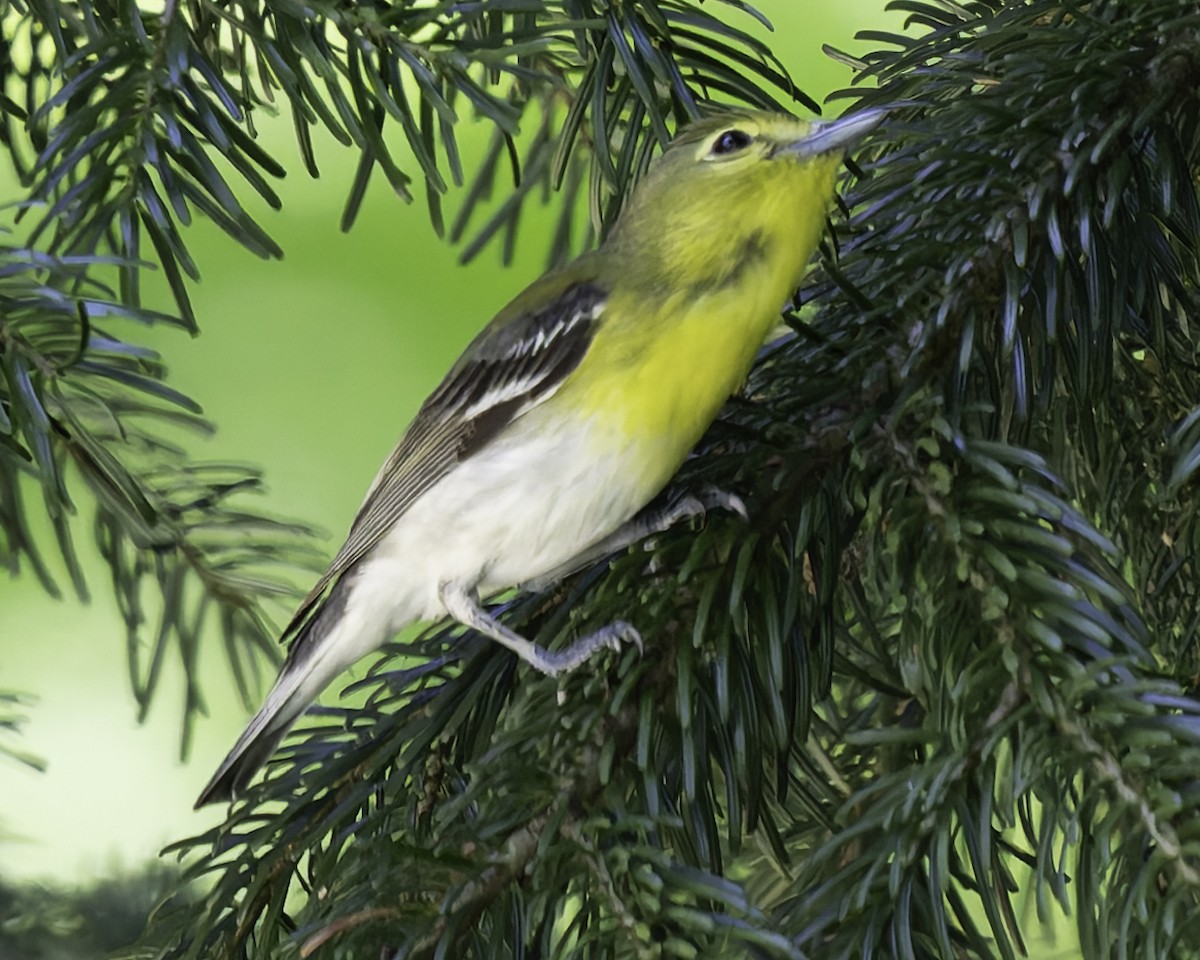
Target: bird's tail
point(320, 651)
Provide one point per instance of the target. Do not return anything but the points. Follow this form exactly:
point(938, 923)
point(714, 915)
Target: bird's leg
point(641, 526)
point(462, 604)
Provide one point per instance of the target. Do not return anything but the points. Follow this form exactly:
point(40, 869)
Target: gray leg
point(642, 526)
point(463, 605)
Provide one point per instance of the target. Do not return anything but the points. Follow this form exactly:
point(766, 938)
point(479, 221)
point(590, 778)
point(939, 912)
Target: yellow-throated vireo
point(571, 410)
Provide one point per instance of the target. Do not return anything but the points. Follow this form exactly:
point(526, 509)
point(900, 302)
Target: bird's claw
point(715, 497)
point(613, 636)
point(709, 498)
point(626, 633)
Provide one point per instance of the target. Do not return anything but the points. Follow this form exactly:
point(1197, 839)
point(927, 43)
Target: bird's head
point(736, 142)
point(734, 176)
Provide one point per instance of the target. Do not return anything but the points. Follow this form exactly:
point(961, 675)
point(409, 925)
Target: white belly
point(527, 503)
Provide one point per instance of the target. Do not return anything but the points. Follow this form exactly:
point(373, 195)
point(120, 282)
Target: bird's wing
point(517, 362)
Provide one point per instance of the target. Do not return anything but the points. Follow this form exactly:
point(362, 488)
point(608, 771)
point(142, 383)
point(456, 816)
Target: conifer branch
point(126, 123)
point(953, 653)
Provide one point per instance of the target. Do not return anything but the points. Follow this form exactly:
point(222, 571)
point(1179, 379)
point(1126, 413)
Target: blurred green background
point(311, 367)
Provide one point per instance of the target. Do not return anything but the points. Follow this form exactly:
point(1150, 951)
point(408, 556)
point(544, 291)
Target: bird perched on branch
point(571, 410)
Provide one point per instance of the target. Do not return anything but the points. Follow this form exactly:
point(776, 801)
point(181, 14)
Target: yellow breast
point(656, 389)
point(692, 298)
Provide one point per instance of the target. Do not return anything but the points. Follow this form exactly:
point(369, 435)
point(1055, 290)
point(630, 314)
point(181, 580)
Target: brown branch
point(1107, 766)
point(342, 924)
point(479, 893)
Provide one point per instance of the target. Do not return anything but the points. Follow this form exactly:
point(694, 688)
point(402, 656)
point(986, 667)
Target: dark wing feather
point(517, 362)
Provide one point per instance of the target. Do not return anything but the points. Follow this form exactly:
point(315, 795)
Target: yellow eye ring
point(731, 141)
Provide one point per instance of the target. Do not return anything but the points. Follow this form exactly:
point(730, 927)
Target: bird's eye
point(731, 141)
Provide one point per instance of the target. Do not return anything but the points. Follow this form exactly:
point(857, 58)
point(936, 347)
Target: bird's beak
point(830, 136)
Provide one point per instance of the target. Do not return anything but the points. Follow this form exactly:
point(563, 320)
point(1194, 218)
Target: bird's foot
point(556, 662)
point(698, 504)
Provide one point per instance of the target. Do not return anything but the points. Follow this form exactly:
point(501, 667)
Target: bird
point(540, 450)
